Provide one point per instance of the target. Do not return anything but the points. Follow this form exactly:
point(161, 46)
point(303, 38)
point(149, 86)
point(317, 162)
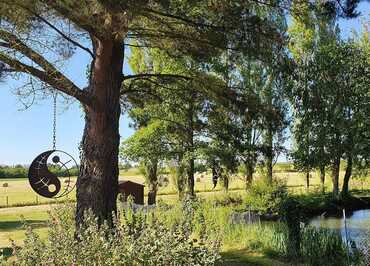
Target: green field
point(20, 193)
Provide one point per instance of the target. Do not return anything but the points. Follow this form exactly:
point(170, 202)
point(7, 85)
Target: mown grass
point(19, 192)
point(12, 220)
point(241, 245)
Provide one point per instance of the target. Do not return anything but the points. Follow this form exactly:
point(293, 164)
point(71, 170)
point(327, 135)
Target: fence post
point(37, 200)
point(7, 201)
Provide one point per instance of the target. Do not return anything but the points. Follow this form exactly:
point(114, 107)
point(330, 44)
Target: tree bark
point(269, 154)
point(98, 179)
point(335, 176)
point(307, 179)
point(249, 174)
point(190, 174)
point(225, 180)
point(322, 178)
point(190, 133)
point(152, 182)
point(347, 176)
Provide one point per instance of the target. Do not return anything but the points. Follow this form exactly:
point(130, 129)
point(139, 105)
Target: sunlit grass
point(11, 223)
point(19, 192)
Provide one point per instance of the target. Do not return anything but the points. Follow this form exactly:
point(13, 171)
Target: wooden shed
point(136, 190)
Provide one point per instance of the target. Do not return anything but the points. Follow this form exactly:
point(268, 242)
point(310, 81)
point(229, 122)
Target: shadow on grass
point(16, 225)
point(243, 257)
point(6, 252)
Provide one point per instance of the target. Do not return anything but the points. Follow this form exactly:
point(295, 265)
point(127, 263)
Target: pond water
point(358, 224)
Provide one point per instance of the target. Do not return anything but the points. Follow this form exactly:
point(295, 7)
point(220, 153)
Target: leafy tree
point(218, 149)
point(355, 132)
point(149, 147)
point(309, 33)
point(329, 97)
point(36, 35)
point(178, 105)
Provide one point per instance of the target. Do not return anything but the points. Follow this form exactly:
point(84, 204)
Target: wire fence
point(8, 201)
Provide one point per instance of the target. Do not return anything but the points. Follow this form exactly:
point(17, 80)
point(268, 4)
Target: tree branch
point(55, 29)
point(64, 86)
point(49, 74)
point(64, 36)
point(182, 19)
point(84, 22)
point(145, 75)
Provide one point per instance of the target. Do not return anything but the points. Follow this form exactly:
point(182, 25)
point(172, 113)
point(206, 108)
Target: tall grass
point(318, 246)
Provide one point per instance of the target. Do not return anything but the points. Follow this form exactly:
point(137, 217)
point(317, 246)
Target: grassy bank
point(241, 244)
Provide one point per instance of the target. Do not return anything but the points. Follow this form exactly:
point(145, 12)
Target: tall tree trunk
point(190, 168)
point(269, 154)
point(269, 134)
point(98, 179)
point(322, 178)
point(269, 157)
point(226, 180)
point(152, 181)
point(249, 174)
point(335, 176)
point(190, 174)
point(307, 179)
point(347, 176)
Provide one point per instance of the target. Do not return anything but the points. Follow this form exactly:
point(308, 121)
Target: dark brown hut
point(136, 190)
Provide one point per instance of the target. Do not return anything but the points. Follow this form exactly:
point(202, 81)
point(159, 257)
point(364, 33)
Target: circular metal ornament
point(49, 174)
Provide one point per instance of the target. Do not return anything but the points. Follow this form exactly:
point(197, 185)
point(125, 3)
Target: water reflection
point(358, 224)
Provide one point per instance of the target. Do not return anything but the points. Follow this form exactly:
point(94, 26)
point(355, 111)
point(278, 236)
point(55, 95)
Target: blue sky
point(25, 134)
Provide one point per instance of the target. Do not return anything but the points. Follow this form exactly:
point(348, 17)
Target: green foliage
point(178, 177)
point(147, 142)
point(329, 95)
point(323, 247)
point(137, 239)
point(20, 171)
point(265, 197)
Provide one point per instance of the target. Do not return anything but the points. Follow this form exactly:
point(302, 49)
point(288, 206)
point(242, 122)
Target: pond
point(358, 224)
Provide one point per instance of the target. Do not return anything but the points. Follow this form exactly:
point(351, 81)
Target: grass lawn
point(19, 192)
point(243, 257)
point(11, 222)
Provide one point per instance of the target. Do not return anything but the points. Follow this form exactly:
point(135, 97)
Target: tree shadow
point(16, 225)
point(6, 252)
point(243, 257)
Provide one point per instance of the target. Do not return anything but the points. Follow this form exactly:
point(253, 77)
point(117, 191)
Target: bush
point(137, 239)
point(266, 198)
point(363, 249)
point(228, 199)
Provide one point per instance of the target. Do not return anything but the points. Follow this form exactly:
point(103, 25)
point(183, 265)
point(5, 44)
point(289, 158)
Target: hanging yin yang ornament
point(50, 172)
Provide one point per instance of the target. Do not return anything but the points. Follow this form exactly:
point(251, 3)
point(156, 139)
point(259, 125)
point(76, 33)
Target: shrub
point(363, 249)
point(266, 198)
point(137, 239)
point(228, 199)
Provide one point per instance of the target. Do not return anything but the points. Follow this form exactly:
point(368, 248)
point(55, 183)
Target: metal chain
point(55, 120)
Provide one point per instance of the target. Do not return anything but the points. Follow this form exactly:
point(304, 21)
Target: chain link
point(55, 120)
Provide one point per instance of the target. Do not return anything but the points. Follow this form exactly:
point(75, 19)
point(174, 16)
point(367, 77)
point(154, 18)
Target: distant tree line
point(21, 171)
